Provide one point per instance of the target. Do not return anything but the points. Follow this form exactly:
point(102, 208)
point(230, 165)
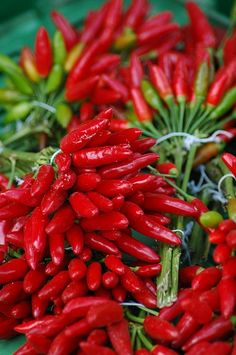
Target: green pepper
point(231, 208)
point(18, 112)
point(63, 114)
point(211, 219)
point(10, 96)
point(55, 78)
point(201, 82)
point(225, 105)
point(7, 63)
point(151, 96)
point(59, 49)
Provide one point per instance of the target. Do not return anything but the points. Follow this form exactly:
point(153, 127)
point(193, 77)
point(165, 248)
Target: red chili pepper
point(43, 181)
point(75, 237)
point(137, 249)
point(186, 326)
point(3, 182)
point(166, 204)
point(136, 71)
point(104, 63)
point(142, 351)
point(82, 205)
point(117, 170)
point(120, 338)
point(160, 329)
point(230, 162)
point(100, 139)
point(171, 312)
point(74, 289)
point(202, 30)
point(206, 279)
point(118, 125)
point(107, 221)
point(62, 344)
point(180, 80)
point(119, 293)
point(11, 292)
point(94, 276)
point(217, 237)
point(87, 181)
point(78, 138)
point(188, 273)
point(109, 279)
point(111, 188)
point(80, 306)
point(21, 195)
point(93, 25)
point(211, 297)
point(130, 281)
point(65, 181)
point(153, 34)
point(34, 280)
point(56, 246)
point(226, 289)
point(104, 314)
point(77, 269)
point(26, 349)
point(162, 350)
point(229, 49)
point(114, 85)
point(102, 202)
point(63, 162)
point(98, 337)
point(55, 286)
point(160, 82)
point(231, 239)
point(13, 270)
point(160, 19)
point(13, 210)
point(126, 136)
point(53, 200)
point(220, 348)
point(148, 270)
point(199, 310)
point(62, 220)
point(111, 235)
point(142, 110)
point(40, 343)
point(89, 348)
point(217, 328)
point(27, 62)
point(68, 32)
point(21, 310)
point(118, 202)
point(86, 254)
point(43, 52)
point(98, 243)
point(135, 14)
point(221, 253)
point(226, 226)
point(78, 91)
point(142, 145)
point(114, 264)
point(86, 111)
point(39, 307)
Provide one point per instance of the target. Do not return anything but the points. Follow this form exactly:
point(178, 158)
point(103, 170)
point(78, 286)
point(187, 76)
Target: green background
point(19, 21)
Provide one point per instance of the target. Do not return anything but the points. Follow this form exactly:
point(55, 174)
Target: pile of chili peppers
point(117, 217)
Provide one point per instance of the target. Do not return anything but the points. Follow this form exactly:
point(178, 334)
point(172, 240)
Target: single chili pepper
point(35, 236)
point(111, 235)
point(93, 24)
point(27, 62)
point(142, 145)
point(34, 280)
point(114, 264)
point(136, 71)
point(89, 348)
point(82, 205)
point(56, 247)
point(135, 14)
point(110, 279)
point(230, 162)
point(229, 268)
point(186, 326)
point(119, 293)
point(78, 329)
point(80, 306)
point(75, 237)
point(21, 195)
point(21, 310)
point(200, 310)
point(211, 331)
point(18, 111)
point(226, 103)
point(63, 162)
point(199, 348)
point(160, 82)
point(78, 138)
point(221, 253)
point(211, 297)
point(111, 188)
point(141, 108)
point(74, 289)
point(96, 157)
point(13, 210)
point(162, 350)
point(86, 254)
point(62, 220)
point(68, 32)
point(82, 89)
point(94, 276)
point(62, 344)
point(206, 279)
point(13, 270)
point(137, 197)
point(77, 269)
point(160, 329)
point(120, 338)
point(226, 289)
point(211, 219)
point(53, 200)
point(229, 49)
point(39, 307)
point(43, 52)
point(188, 273)
point(98, 337)
point(65, 181)
point(120, 169)
point(180, 80)
point(54, 286)
point(40, 343)
point(100, 139)
point(86, 111)
point(103, 203)
point(98, 243)
point(17, 77)
point(141, 181)
point(59, 48)
point(104, 314)
point(167, 168)
point(148, 35)
point(105, 62)
point(130, 281)
point(146, 297)
point(107, 221)
point(159, 218)
point(118, 125)
point(202, 30)
point(43, 181)
point(148, 270)
point(166, 204)
point(231, 239)
point(137, 249)
point(116, 86)
point(54, 79)
point(11, 292)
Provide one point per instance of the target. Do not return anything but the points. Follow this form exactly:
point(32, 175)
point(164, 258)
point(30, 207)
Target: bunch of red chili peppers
point(91, 233)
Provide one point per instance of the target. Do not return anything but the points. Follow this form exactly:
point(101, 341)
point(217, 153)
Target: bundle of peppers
point(91, 234)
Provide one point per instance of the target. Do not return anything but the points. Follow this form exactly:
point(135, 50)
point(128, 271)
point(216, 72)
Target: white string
point(132, 304)
point(190, 139)
point(19, 181)
point(222, 179)
point(45, 106)
point(178, 231)
point(54, 156)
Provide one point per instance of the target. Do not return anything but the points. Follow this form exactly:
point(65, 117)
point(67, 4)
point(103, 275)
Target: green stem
point(132, 317)
point(181, 116)
point(13, 171)
point(180, 191)
point(164, 279)
point(148, 345)
point(23, 133)
point(228, 183)
point(188, 168)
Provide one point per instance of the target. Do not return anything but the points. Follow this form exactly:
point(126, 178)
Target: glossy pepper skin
point(43, 52)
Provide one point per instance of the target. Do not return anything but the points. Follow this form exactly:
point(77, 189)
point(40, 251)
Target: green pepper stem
point(148, 345)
